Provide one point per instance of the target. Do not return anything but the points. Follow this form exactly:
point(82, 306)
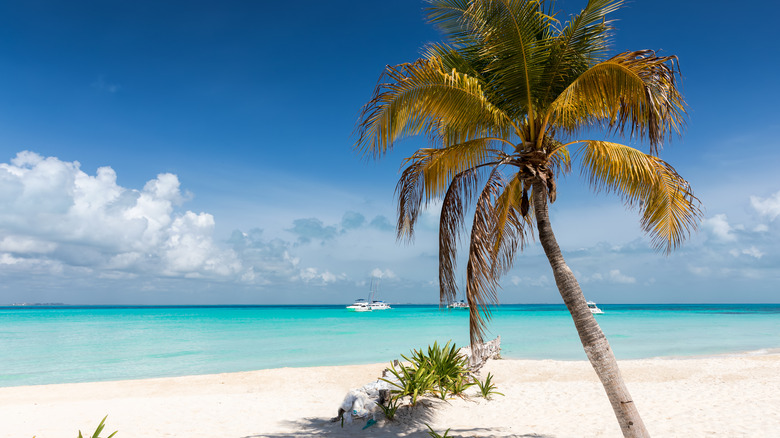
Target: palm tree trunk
point(593, 340)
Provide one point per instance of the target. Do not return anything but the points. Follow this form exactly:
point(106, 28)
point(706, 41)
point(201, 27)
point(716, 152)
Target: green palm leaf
point(581, 43)
point(422, 97)
point(670, 211)
point(634, 91)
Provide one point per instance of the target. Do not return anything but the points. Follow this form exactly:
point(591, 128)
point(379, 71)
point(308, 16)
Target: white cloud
point(26, 245)
point(52, 210)
point(613, 276)
point(718, 226)
point(378, 273)
point(752, 252)
point(761, 228)
point(769, 207)
point(618, 277)
point(314, 276)
point(7, 259)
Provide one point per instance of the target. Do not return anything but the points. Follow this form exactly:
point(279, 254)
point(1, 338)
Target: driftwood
point(481, 354)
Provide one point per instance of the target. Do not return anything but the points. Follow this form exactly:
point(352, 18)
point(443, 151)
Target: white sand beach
point(727, 396)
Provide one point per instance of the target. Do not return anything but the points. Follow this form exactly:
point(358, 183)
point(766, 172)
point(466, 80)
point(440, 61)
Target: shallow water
point(41, 345)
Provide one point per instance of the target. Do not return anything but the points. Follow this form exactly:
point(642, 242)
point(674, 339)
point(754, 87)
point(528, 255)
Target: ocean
point(65, 344)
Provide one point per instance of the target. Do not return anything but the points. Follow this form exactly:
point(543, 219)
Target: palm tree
point(504, 102)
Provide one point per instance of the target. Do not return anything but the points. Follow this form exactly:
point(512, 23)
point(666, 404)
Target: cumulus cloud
point(52, 211)
point(618, 277)
point(315, 277)
point(768, 207)
point(382, 274)
point(718, 227)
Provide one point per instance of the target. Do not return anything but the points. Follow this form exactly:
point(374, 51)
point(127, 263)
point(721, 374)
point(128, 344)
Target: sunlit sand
point(728, 396)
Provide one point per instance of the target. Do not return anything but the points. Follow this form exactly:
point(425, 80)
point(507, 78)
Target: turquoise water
point(77, 344)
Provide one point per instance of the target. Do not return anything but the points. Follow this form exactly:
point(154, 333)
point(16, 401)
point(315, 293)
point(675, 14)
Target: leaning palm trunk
point(593, 340)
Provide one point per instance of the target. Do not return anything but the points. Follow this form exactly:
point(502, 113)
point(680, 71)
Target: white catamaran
point(372, 303)
point(360, 305)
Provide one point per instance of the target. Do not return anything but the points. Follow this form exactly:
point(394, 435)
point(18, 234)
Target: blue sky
point(201, 153)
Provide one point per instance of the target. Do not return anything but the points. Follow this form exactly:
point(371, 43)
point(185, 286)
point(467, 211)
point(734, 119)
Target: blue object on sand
point(369, 423)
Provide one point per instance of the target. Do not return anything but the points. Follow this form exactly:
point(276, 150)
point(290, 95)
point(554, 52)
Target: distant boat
point(360, 305)
point(376, 304)
point(379, 305)
point(594, 309)
point(458, 305)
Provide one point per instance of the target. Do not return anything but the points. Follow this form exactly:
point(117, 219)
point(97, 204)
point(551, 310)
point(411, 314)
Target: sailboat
point(375, 304)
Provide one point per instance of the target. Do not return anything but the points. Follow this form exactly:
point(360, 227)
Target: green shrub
point(438, 371)
point(413, 381)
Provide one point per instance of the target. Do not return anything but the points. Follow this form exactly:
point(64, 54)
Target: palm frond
point(669, 210)
point(509, 34)
point(451, 223)
point(633, 90)
point(582, 42)
point(481, 281)
point(429, 172)
point(422, 97)
point(511, 227)
point(410, 193)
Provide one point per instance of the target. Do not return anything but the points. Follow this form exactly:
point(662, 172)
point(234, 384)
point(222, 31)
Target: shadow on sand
point(408, 422)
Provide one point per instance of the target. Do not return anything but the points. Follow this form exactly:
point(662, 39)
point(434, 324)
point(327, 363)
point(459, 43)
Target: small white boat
point(594, 309)
point(360, 305)
point(375, 304)
point(458, 305)
point(379, 305)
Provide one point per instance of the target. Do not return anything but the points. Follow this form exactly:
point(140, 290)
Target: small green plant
point(446, 362)
point(390, 409)
point(459, 386)
point(433, 433)
point(487, 388)
point(438, 371)
point(412, 380)
point(100, 429)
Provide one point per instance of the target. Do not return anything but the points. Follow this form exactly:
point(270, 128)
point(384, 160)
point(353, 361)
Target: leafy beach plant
point(412, 380)
point(439, 370)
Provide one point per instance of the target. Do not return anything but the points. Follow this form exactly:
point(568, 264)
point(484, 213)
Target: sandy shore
point(702, 397)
